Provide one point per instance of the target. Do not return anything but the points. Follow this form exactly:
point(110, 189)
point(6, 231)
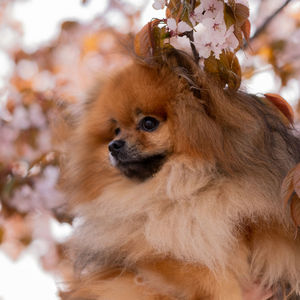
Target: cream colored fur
point(190, 215)
point(210, 222)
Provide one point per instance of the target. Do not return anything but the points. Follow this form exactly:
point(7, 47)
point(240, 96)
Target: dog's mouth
point(138, 168)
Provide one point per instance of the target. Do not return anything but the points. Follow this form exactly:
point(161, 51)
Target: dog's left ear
point(182, 64)
point(147, 50)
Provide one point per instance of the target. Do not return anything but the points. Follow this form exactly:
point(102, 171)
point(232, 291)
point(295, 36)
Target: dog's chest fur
point(185, 212)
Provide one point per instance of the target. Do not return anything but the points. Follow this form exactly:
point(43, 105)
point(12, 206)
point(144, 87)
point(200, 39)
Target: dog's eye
point(148, 124)
point(117, 131)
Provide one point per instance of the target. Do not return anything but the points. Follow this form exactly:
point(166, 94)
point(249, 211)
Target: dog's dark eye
point(148, 124)
point(117, 131)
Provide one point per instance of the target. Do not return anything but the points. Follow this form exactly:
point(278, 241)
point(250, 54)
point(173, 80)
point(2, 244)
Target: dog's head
point(145, 115)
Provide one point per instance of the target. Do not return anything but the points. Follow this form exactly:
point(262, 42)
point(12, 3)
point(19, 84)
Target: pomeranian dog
point(175, 182)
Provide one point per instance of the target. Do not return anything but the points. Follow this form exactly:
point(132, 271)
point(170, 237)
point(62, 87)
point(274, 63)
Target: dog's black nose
point(116, 146)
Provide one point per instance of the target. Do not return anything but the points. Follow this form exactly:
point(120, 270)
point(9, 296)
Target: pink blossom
point(20, 168)
point(23, 198)
point(213, 36)
point(230, 39)
point(183, 27)
point(172, 24)
point(208, 9)
point(210, 36)
point(36, 115)
point(44, 140)
point(27, 69)
point(45, 186)
point(7, 148)
point(203, 41)
point(178, 28)
point(42, 195)
point(158, 4)
point(20, 118)
point(44, 81)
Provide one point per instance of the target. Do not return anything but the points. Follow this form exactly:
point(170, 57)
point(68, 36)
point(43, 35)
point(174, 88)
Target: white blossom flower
point(27, 69)
point(180, 42)
point(20, 168)
point(203, 41)
point(159, 4)
point(178, 28)
point(183, 27)
point(172, 24)
point(207, 9)
point(44, 140)
point(44, 81)
point(231, 40)
point(36, 115)
point(23, 198)
point(215, 28)
point(7, 147)
point(45, 186)
point(212, 36)
point(20, 118)
point(205, 50)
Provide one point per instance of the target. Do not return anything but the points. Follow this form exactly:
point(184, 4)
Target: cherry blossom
point(212, 36)
point(178, 28)
point(158, 4)
point(23, 198)
point(21, 118)
point(20, 168)
point(203, 41)
point(230, 39)
point(36, 116)
point(207, 9)
point(42, 195)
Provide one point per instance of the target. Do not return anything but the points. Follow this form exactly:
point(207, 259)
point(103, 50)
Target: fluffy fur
point(209, 222)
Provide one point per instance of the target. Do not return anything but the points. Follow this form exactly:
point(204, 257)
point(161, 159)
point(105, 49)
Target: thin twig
point(268, 21)
point(190, 36)
point(193, 4)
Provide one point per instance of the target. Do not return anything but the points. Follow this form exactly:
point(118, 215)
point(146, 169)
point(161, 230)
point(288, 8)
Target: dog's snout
point(116, 146)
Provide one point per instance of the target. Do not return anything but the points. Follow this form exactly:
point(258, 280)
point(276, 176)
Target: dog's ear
point(176, 61)
point(185, 67)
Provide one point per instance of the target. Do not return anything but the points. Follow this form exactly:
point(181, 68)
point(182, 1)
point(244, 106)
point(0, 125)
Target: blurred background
point(51, 52)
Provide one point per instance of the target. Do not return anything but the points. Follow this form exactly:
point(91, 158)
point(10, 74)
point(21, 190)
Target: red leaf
point(144, 42)
point(246, 28)
point(282, 105)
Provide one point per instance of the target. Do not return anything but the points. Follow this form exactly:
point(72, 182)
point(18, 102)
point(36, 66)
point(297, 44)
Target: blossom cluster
point(211, 33)
point(41, 90)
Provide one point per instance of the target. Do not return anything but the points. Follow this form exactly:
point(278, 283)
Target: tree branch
point(268, 21)
point(190, 36)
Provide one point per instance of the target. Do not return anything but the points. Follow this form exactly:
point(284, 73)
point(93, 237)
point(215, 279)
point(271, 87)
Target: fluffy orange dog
point(176, 185)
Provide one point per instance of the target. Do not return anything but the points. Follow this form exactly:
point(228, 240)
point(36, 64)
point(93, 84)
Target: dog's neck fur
point(189, 211)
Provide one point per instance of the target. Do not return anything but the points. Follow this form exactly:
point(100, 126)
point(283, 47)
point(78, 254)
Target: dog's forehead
point(138, 89)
